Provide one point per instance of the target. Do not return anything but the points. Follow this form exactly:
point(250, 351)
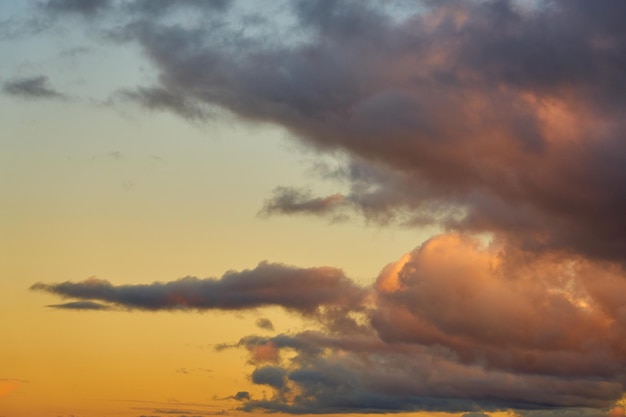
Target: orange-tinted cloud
point(305, 290)
point(491, 118)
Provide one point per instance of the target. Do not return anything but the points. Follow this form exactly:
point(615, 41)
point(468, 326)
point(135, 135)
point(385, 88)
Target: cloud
point(161, 7)
point(84, 7)
point(265, 324)
point(80, 305)
point(270, 375)
point(242, 396)
point(291, 200)
point(31, 88)
point(494, 120)
point(482, 111)
point(157, 98)
point(297, 289)
point(542, 335)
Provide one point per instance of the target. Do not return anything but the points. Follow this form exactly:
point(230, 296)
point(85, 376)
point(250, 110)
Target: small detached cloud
point(31, 88)
point(287, 200)
point(265, 324)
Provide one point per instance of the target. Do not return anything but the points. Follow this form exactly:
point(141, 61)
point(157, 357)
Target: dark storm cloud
point(298, 289)
point(31, 88)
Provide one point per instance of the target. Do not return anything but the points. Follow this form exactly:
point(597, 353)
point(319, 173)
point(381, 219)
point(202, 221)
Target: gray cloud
point(270, 375)
point(242, 396)
point(298, 289)
point(495, 117)
point(364, 375)
point(81, 305)
point(290, 200)
point(160, 7)
point(458, 105)
point(264, 323)
point(31, 88)
point(84, 7)
point(157, 98)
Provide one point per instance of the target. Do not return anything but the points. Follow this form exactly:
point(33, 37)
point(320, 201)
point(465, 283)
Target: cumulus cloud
point(459, 325)
point(31, 88)
point(506, 116)
point(496, 118)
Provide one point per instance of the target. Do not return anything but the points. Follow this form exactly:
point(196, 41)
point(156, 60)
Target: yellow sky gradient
point(432, 191)
point(137, 199)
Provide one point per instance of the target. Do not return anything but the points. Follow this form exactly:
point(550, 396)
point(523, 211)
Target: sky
point(312, 207)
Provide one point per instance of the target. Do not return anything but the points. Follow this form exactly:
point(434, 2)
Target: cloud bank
point(494, 118)
point(455, 325)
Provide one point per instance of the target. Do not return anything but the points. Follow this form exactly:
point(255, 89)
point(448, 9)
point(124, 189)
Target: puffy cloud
point(270, 375)
point(483, 116)
point(506, 118)
point(457, 325)
point(504, 309)
point(264, 323)
point(496, 118)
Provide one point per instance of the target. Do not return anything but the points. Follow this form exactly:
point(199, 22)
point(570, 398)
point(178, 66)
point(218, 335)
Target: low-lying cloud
point(455, 325)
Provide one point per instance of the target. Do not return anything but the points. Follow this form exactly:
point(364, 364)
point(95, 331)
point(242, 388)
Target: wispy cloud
point(299, 289)
point(31, 88)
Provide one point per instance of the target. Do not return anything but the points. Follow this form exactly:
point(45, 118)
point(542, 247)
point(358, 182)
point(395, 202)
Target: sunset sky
point(313, 207)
